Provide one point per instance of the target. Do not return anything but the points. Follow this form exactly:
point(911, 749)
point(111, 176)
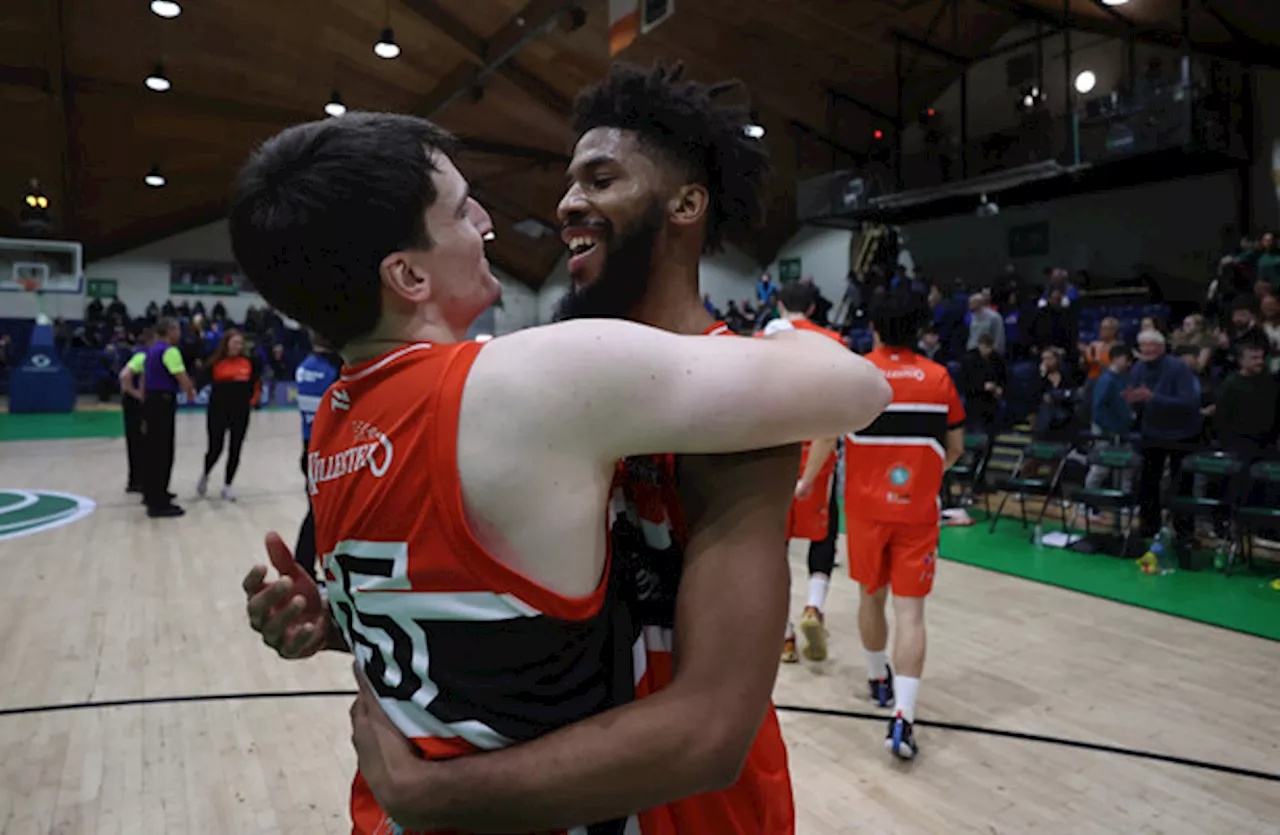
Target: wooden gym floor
point(118, 607)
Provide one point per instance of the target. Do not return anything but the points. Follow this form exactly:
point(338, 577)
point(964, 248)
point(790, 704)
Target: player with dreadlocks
point(662, 172)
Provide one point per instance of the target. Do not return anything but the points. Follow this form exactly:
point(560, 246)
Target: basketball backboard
point(55, 267)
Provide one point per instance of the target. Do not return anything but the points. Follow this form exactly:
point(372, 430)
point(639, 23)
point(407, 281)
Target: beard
point(624, 279)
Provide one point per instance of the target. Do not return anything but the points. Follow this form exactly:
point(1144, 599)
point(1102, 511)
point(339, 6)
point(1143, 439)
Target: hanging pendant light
point(386, 47)
point(158, 81)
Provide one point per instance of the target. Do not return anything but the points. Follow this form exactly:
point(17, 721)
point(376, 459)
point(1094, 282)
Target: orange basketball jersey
point(893, 468)
point(465, 654)
point(648, 534)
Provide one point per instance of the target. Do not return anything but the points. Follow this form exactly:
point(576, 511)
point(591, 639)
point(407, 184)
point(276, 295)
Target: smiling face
point(611, 218)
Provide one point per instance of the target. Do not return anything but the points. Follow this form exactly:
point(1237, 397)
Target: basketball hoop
point(33, 285)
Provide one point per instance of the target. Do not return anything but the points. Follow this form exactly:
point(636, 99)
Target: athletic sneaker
point(815, 634)
point(881, 689)
point(901, 739)
point(789, 655)
point(227, 495)
point(202, 486)
point(167, 512)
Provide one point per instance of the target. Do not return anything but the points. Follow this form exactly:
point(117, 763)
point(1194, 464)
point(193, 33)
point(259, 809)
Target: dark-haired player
point(459, 508)
point(893, 477)
point(815, 513)
point(662, 171)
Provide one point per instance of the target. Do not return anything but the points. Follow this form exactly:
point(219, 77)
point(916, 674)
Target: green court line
point(96, 422)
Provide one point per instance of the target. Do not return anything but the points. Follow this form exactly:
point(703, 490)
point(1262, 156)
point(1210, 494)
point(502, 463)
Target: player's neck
point(793, 317)
point(672, 303)
point(397, 331)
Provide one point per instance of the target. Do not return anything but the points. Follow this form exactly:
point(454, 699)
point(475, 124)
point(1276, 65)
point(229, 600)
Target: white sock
point(791, 632)
point(877, 665)
point(905, 690)
point(818, 584)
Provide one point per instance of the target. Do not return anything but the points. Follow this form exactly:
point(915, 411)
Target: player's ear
point(689, 205)
point(405, 276)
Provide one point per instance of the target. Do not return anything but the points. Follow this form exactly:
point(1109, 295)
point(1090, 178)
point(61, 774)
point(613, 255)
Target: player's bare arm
point(819, 451)
point(689, 738)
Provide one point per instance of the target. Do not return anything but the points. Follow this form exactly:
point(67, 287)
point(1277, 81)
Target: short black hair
point(899, 318)
point(796, 297)
point(685, 124)
point(1119, 350)
point(319, 205)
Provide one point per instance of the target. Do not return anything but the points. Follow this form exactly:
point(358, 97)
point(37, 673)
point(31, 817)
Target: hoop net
point(29, 285)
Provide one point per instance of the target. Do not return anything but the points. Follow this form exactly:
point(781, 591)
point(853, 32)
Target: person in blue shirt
point(1112, 414)
point(1167, 395)
point(314, 376)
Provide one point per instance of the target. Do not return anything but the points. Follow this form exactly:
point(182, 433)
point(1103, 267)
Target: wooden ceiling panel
point(484, 19)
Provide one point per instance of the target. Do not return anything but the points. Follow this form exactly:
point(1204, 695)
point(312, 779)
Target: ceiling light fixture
point(754, 131)
point(158, 81)
point(154, 178)
point(1114, 2)
point(166, 8)
point(386, 47)
point(1086, 81)
point(335, 107)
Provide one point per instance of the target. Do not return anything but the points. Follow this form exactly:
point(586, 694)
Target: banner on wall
point(101, 288)
point(209, 278)
point(788, 270)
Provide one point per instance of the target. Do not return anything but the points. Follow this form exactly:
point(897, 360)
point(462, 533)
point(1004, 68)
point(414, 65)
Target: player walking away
point(892, 482)
point(459, 508)
point(236, 387)
point(815, 513)
point(314, 376)
point(131, 405)
point(163, 373)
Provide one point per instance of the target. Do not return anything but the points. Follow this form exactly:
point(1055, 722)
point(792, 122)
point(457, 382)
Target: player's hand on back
point(288, 613)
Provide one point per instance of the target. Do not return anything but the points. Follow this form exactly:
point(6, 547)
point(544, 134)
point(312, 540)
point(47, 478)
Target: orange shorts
point(810, 517)
point(896, 554)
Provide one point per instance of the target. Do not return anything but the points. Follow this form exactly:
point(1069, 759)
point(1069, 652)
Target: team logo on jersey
point(916, 374)
point(340, 400)
point(899, 476)
point(373, 450)
point(24, 512)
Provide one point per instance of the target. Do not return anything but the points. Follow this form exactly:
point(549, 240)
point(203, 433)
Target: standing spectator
point(1166, 392)
point(1097, 354)
point(764, 289)
point(1246, 418)
point(1270, 324)
point(1195, 331)
point(1055, 408)
point(984, 320)
point(1058, 281)
point(1112, 415)
point(983, 379)
point(821, 304)
point(1265, 260)
point(930, 346)
point(1053, 325)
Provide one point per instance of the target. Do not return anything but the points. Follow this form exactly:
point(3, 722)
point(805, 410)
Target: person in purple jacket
point(1166, 395)
point(163, 374)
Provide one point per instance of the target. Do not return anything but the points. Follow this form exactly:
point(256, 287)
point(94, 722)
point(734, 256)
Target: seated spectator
point(1056, 400)
point(1097, 354)
point(1154, 323)
point(1164, 391)
point(984, 320)
point(983, 379)
point(1053, 325)
point(1265, 261)
point(1243, 329)
point(1112, 415)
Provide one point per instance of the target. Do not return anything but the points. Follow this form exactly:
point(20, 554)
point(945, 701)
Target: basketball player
point(893, 475)
point(163, 373)
point(314, 376)
point(441, 470)
point(815, 513)
point(131, 405)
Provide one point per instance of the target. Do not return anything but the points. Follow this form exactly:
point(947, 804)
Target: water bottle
point(1165, 553)
point(1038, 537)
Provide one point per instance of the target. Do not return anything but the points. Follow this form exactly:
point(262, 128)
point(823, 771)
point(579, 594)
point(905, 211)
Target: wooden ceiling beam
point(930, 48)
point(514, 35)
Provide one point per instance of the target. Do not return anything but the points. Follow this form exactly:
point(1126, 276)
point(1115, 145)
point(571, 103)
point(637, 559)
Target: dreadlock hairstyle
point(684, 122)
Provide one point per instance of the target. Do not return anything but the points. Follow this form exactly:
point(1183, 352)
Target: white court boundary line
point(83, 507)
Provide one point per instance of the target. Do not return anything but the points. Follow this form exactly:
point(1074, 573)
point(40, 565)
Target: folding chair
point(970, 469)
point(1252, 518)
point(1035, 453)
point(1223, 467)
point(1117, 461)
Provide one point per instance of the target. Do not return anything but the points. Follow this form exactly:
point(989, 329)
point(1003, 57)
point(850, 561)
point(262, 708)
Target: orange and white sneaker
point(789, 655)
point(815, 634)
